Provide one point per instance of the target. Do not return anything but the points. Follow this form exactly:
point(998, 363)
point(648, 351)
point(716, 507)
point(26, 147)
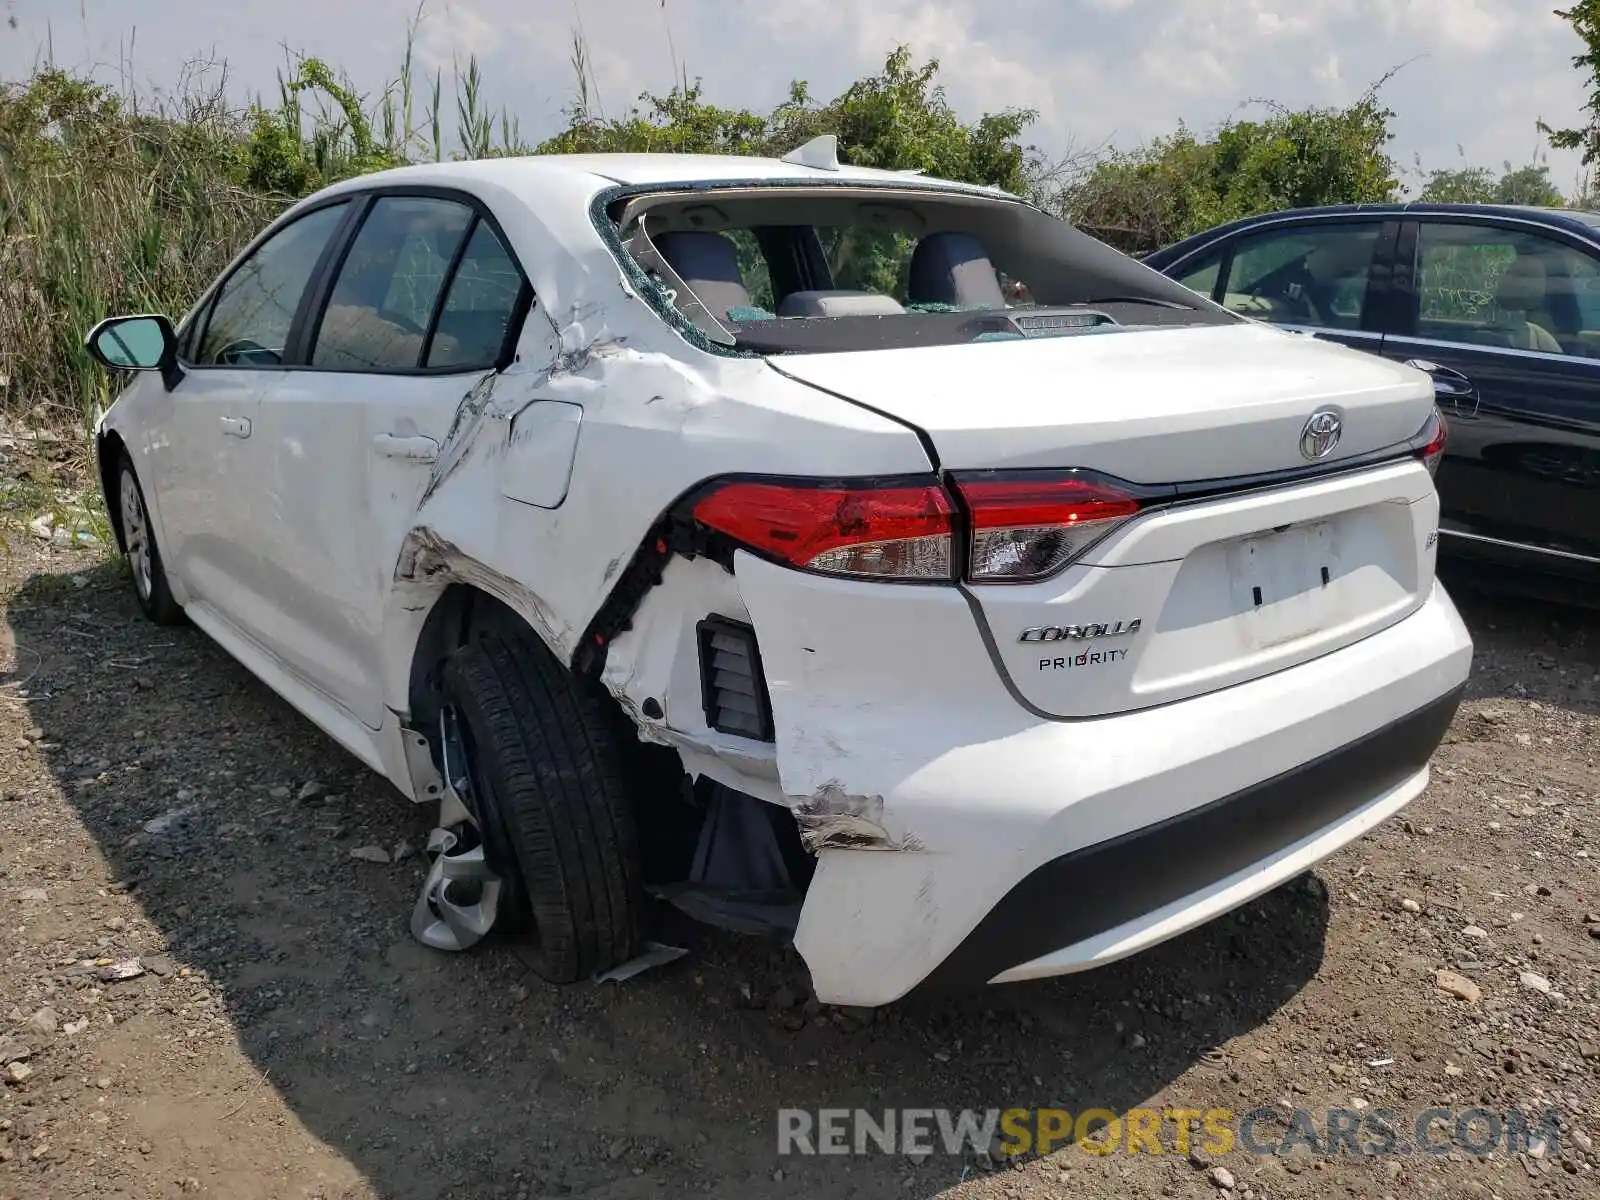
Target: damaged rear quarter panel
point(662, 663)
point(652, 427)
point(658, 417)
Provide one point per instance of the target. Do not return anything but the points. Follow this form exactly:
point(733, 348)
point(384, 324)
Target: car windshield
point(797, 268)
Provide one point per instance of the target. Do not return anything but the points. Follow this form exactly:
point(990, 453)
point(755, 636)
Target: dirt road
point(166, 818)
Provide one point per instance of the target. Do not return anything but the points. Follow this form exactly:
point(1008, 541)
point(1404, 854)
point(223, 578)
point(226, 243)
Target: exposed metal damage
point(468, 417)
point(832, 819)
point(426, 557)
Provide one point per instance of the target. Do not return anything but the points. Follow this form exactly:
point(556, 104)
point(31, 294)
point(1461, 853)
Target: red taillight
point(892, 531)
point(1029, 525)
point(1020, 526)
point(1430, 441)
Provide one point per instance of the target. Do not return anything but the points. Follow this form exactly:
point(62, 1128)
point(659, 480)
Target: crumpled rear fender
point(655, 418)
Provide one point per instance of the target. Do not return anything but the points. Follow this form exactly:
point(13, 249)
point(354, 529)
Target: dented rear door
point(356, 442)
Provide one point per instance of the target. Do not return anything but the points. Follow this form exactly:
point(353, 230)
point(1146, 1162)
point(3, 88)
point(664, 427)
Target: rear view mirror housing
point(143, 342)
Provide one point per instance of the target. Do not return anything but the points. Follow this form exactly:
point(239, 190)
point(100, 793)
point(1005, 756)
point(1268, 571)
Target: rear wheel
point(550, 798)
point(144, 556)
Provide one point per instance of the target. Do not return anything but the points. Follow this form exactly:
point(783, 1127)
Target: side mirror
point(139, 343)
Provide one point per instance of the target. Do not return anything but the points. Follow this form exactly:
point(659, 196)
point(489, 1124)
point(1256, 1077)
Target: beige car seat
point(1339, 258)
point(1520, 296)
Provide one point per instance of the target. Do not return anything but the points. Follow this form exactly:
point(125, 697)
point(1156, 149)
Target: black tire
point(144, 555)
point(548, 770)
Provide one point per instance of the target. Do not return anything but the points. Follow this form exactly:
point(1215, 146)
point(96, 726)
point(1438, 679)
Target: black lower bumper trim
point(1099, 887)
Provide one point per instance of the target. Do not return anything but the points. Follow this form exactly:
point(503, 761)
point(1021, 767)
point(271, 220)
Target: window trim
point(443, 298)
point(192, 342)
point(322, 283)
point(1408, 294)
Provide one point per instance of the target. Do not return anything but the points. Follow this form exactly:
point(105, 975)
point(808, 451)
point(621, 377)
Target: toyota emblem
point(1321, 434)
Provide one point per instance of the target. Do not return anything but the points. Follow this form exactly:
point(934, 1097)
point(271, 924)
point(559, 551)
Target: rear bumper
point(1133, 891)
point(1019, 847)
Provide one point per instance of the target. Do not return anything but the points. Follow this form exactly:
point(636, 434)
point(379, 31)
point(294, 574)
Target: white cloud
point(450, 32)
point(1478, 73)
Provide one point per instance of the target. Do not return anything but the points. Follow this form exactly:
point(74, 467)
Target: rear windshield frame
point(612, 206)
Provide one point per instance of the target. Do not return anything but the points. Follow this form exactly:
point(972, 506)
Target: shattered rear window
point(816, 269)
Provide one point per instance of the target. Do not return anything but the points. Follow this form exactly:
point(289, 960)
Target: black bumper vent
point(733, 690)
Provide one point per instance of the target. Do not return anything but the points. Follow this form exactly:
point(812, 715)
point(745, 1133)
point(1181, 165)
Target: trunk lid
point(1160, 405)
point(1188, 596)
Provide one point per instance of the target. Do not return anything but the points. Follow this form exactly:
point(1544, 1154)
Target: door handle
point(411, 449)
point(238, 427)
point(1450, 387)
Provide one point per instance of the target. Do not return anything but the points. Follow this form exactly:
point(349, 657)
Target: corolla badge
point(1321, 434)
point(1081, 633)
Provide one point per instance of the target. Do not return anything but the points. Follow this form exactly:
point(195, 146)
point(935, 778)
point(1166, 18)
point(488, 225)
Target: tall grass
point(114, 201)
point(105, 208)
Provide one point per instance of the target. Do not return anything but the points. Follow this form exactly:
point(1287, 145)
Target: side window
point(1506, 288)
point(1585, 283)
point(250, 320)
point(1312, 276)
point(477, 312)
point(388, 286)
point(1202, 276)
point(753, 268)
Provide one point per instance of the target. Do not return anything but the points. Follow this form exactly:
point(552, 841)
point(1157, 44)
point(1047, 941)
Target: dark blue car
point(1501, 305)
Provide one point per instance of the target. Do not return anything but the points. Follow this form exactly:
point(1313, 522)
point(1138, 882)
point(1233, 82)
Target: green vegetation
point(1584, 17)
point(1184, 183)
point(111, 202)
point(897, 120)
point(1478, 185)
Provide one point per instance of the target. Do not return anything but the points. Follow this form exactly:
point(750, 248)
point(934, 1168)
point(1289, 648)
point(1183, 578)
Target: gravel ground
point(165, 818)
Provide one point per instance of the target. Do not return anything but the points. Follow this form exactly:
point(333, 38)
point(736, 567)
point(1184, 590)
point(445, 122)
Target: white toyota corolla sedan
point(836, 553)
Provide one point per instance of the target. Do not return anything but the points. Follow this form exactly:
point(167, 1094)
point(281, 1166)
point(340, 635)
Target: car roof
point(1572, 219)
point(601, 171)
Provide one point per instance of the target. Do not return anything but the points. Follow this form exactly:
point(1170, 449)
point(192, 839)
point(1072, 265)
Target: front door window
point(249, 323)
point(1314, 276)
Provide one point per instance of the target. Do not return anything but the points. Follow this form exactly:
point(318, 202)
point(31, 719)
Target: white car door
point(423, 306)
point(234, 358)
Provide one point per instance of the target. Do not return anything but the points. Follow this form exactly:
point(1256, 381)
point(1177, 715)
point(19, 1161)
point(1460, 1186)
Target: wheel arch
point(109, 449)
point(458, 612)
point(447, 626)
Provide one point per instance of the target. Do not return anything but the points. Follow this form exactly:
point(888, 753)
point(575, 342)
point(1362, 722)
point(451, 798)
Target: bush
point(1182, 184)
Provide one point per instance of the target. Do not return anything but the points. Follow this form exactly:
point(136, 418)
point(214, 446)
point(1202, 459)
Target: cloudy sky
point(1477, 73)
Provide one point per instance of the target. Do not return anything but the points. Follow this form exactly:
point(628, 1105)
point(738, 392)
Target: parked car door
point(1329, 278)
point(424, 303)
point(232, 355)
point(1506, 316)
